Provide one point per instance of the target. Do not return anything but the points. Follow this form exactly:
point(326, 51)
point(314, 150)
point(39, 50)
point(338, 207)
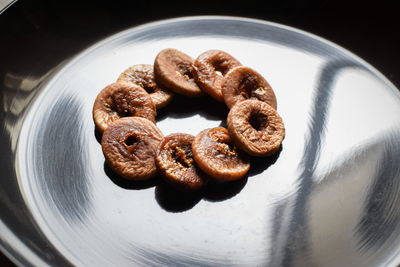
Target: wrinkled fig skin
point(175, 162)
point(175, 70)
point(143, 75)
point(130, 146)
point(243, 83)
point(211, 67)
point(255, 127)
point(215, 154)
point(122, 100)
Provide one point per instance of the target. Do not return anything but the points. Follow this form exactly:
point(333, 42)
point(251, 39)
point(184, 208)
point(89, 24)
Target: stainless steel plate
point(329, 198)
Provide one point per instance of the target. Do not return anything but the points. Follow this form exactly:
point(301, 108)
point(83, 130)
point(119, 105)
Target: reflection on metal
point(56, 157)
point(381, 214)
point(329, 198)
point(297, 237)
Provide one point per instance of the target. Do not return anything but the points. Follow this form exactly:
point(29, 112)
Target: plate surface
point(329, 198)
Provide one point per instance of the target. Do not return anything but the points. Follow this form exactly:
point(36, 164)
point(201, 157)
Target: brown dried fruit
point(122, 100)
point(215, 153)
point(255, 127)
point(130, 147)
point(211, 67)
point(243, 83)
point(175, 161)
point(175, 70)
point(143, 75)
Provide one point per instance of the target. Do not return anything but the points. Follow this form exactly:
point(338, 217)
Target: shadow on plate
point(182, 107)
point(129, 184)
point(98, 135)
point(260, 164)
point(215, 192)
point(173, 200)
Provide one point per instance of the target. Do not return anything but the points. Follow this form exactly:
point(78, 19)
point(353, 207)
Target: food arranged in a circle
point(124, 113)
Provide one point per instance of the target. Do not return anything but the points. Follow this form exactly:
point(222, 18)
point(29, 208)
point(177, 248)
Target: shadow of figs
point(130, 184)
point(215, 192)
point(260, 164)
point(173, 200)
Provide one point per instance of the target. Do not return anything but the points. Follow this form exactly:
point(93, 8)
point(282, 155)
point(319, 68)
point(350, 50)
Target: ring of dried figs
point(174, 69)
point(243, 83)
point(125, 113)
point(143, 75)
point(119, 100)
point(211, 67)
point(130, 145)
point(256, 127)
point(215, 153)
point(175, 162)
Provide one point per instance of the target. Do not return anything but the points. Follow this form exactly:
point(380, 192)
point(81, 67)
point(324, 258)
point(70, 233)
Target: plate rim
point(14, 251)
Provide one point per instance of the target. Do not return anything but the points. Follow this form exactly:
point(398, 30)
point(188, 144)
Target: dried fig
point(175, 70)
point(143, 75)
point(211, 67)
point(215, 153)
point(130, 146)
point(175, 162)
point(122, 100)
point(255, 127)
point(243, 83)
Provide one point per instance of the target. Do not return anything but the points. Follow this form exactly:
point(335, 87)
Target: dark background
point(46, 31)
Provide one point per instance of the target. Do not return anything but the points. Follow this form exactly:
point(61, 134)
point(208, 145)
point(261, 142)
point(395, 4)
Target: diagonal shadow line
point(379, 221)
point(297, 231)
point(381, 214)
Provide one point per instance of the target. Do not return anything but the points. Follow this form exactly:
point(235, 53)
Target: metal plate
point(329, 198)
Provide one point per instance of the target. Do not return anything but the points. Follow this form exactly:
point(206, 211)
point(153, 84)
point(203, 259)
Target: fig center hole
point(188, 75)
point(226, 149)
point(150, 89)
point(120, 105)
point(248, 85)
point(131, 140)
point(258, 121)
point(185, 71)
point(183, 156)
point(124, 113)
point(219, 73)
point(220, 67)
